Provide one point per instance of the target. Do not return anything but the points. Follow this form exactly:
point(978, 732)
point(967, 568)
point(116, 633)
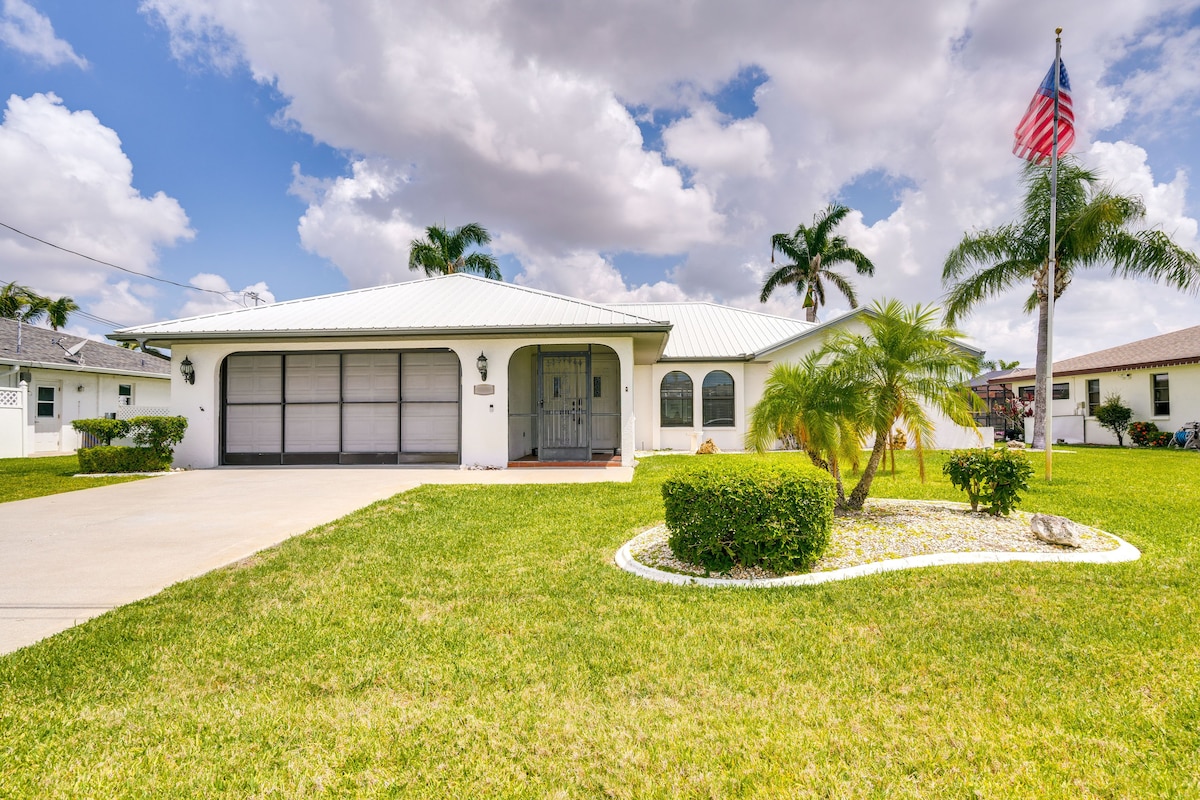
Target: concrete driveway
point(69, 557)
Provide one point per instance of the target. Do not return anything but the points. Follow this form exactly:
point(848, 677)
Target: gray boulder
point(1056, 530)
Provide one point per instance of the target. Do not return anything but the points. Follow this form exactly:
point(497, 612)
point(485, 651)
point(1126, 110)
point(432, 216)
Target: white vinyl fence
point(15, 434)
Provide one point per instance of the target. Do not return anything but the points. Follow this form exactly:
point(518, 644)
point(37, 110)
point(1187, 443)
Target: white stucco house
point(49, 379)
point(1158, 377)
point(458, 369)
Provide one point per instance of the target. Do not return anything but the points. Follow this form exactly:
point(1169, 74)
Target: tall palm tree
point(443, 252)
point(802, 400)
point(58, 311)
point(1093, 229)
point(813, 251)
point(21, 303)
point(903, 364)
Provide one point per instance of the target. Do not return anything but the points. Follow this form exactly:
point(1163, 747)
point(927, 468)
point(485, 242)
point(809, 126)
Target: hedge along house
point(459, 369)
point(51, 378)
point(1158, 378)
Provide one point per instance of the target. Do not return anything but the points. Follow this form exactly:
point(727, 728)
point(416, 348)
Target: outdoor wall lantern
point(481, 365)
point(187, 370)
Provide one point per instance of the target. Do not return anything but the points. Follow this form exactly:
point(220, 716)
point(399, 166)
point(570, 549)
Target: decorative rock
point(708, 447)
point(1055, 530)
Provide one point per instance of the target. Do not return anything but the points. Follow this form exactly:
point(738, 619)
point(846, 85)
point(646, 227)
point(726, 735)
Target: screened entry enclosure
point(375, 407)
point(564, 403)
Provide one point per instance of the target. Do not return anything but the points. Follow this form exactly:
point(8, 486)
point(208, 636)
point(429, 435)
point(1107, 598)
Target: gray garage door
point(341, 408)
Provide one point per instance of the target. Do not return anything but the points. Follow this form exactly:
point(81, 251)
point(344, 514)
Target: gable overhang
point(1067, 373)
point(649, 340)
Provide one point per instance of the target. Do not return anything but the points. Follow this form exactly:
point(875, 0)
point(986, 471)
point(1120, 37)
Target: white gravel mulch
point(892, 529)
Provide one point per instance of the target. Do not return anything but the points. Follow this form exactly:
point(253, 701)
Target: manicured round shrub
point(735, 511)
point(994, 477)
point(1141, 433)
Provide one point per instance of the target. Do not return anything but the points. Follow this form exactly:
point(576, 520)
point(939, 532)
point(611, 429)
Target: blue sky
point(293, 149)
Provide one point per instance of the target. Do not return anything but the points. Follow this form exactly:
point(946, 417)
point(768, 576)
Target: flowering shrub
point(996, 477)
point(1140, 433)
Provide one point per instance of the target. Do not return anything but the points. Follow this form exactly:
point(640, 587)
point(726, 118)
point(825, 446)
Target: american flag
point(1035, 132)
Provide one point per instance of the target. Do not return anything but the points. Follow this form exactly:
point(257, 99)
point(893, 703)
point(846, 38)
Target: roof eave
point(1172, 362)
point(31, 364)
point(165, 338)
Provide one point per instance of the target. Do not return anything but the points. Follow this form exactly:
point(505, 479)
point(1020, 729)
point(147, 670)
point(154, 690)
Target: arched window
point(675, 394)
point(717, 400)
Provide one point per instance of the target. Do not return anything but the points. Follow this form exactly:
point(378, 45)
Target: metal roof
point(1179, 347)
point(443, 304)
point(48, 349)
point(704, 331)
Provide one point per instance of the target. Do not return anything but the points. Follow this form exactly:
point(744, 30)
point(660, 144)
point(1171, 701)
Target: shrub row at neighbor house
point(994, 477)
point(155, 438)
point(734, 512)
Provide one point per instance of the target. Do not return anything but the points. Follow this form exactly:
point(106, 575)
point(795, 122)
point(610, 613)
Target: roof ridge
point(714, 304)
point(385, 286)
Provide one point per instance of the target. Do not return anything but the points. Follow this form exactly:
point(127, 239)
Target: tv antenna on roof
point(74, 349)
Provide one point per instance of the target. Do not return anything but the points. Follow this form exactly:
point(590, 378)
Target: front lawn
point(478, 642)
point(21, 478)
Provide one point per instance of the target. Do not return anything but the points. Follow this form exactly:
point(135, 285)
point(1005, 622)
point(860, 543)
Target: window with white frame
point(717, 399)
point(125, 394)
point(675, 394)
point(1093, 396)
point(1161, 387)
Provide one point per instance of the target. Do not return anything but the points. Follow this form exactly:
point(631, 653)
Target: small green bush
point(1114, 415)
point(995, 477)
point(725, 513)
point(105, 459)
point(160, 434)
point(105, 430)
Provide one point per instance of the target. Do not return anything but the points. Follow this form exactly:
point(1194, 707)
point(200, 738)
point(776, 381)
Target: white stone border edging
point(626, 561)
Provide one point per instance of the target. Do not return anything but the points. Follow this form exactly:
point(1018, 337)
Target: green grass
point(22, 478)
point(478, 642)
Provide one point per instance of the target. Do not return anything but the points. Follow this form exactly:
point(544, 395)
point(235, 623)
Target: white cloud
point(218, 296)
point(67, 181)
point(515, 115)
point(25, 30)
point(716, 149)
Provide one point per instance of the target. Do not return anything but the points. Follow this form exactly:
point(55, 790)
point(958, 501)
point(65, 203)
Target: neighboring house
point(1159, 378)
point(458, 369)
point(995, 389)
point(54, 379)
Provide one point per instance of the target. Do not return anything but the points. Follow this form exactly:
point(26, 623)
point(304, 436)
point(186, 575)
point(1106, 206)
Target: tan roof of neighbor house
point(711, 331)
point(49, 350)
point(1179, 347)
point(457, 303)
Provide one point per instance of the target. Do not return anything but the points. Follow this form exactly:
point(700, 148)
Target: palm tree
point(21, 303)
point(803, 401)
point(813, 251)
point(58, 311)
point(1093, 229)
point(443, 252)
point(903, 364)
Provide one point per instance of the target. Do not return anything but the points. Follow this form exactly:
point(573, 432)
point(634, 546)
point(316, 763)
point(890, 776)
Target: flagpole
point(1051, 267)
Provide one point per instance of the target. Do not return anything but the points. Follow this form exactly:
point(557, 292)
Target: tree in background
point(814, 250)
point(1094, 228)
point(444, 252)
point(990, 365)
point(22, 303)
point(1114, 415)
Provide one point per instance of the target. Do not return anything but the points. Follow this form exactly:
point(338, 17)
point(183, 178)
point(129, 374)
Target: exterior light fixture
point(187, 370)
point(481, 365)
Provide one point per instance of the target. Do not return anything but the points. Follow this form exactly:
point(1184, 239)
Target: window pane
point(1061, 391)
point(1025, 393)
point(1093, 399)
point(717, 400)
point(675, 394)
point(1162, 395)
